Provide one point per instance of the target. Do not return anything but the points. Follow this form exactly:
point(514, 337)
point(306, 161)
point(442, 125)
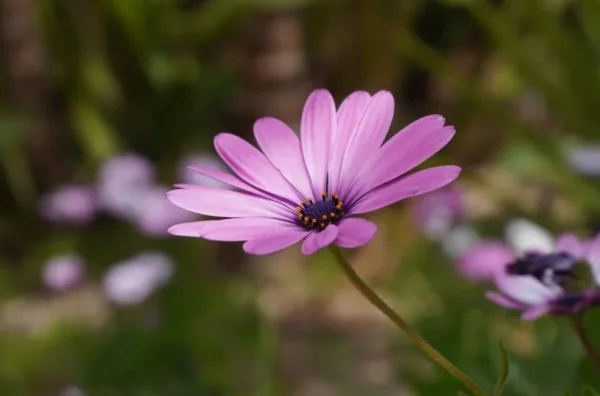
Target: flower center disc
point(318, 215)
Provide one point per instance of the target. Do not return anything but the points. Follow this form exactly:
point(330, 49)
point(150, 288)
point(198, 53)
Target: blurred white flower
point(584, 159)
point(201, 160)
point(525, 236)
point(63, 272)
point(71, 391)
point(437, 212)
point(460, 239)
point(69, 204)
point(132, 281)
point(121, 180)
point(154, 214)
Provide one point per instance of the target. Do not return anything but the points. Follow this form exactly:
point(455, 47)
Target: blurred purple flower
point(154, 214)
point(534, 283)
point(437, 212)
point(63, 272)
point(312, 189)
point(206, 161)
point(132, 281)
point(121, 181)
point(584, 159)
point(484, 260)
point(74, 204)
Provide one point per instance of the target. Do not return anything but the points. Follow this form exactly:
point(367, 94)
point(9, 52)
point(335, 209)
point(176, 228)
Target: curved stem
point(374, 299)
point(585, 340)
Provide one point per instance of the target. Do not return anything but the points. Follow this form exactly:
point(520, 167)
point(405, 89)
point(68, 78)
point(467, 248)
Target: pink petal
point(503, 301)
point(569, 243)
point(484, 260)
point(223, 177)
point(282, 147)
point(367, 138)
point(534, 313)
point(407, 149)
point(253, 167)
point(319, 124)
point(415, 184)
point(210, 201)
point(355, 232)
point(232, 230)
point(594, 258)
point(275, 243)
point(348, 116)
point(316, 241)
point(526, 289)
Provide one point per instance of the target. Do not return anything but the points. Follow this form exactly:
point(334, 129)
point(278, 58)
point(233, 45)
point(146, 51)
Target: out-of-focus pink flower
point(438, 211)
point(313, 189)
point(187, 173)
point(121, 181)
point(74, 204)
point(63, 272)
point(132, 281)
point(154, 214)
point(484, 260)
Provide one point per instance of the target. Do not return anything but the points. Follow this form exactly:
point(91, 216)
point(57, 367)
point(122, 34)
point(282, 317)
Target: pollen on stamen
point(322, 212)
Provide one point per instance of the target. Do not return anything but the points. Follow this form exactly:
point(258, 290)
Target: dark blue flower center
point(318, 215)
point(553, 268)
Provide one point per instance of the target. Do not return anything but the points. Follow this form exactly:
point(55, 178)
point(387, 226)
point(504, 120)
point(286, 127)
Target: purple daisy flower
point(534, 283)
point(312, 188)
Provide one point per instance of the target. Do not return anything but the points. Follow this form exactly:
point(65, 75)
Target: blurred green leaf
point(13, 131)
point(504, 370)
point(589, 391)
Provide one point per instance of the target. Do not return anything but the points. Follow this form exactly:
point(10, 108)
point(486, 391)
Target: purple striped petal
point(275, 243)
point(231, 230)
point(415, 184)
point(319, 123)
point(348, 116)
point(282, 147)
point(226, 178)
point(534, 313)
point(316, 241)
point(354, 232)
point(526, 289)
point(367, 138)
point(253, 167)
point(407, 149)
point(569, 243)
point(503, 301)
point(214, 202)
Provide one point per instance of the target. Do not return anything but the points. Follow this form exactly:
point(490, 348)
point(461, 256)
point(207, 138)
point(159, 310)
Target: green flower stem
point(374, 299)
point(585, 340)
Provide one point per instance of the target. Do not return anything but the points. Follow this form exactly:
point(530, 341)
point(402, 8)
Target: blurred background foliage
point(84, 81)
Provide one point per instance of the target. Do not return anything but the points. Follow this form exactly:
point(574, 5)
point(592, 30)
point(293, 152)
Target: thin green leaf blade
point(504, 370)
